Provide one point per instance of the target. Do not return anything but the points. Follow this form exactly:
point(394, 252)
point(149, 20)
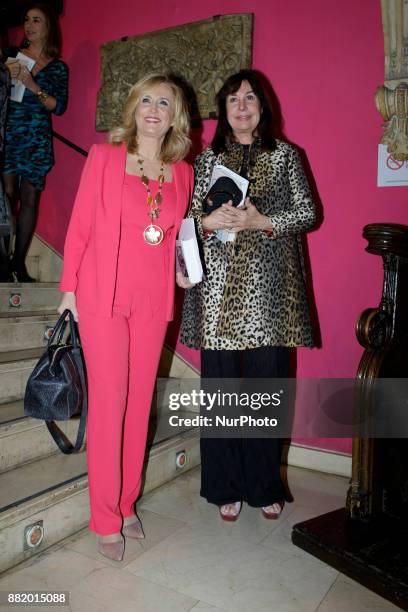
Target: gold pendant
point(153, 234)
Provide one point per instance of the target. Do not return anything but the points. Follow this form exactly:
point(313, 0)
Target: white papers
point(187, 253)
point(242, 183)
point(391, 173)
point(17, 87)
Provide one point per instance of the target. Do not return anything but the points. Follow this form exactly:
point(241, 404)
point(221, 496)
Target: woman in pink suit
point(118, 280)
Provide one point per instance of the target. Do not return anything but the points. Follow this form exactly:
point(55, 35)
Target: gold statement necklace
point(153, 234)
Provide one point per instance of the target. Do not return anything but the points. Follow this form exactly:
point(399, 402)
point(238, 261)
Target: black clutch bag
point(223, 190)
point(56, 388)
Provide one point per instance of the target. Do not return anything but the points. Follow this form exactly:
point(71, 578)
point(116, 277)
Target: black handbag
point(56, 388)
point(223, 190)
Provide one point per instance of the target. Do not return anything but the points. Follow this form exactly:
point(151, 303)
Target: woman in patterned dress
point(28, 140)
point(252, 306)
point(4, 209)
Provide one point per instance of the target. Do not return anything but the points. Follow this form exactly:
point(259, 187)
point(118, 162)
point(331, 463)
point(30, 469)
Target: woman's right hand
point(14, 67)
point(183, 281)
point(68, 302)
point(218, 219)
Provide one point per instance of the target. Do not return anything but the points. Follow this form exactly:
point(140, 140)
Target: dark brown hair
point(264, 129)
point(52, 47)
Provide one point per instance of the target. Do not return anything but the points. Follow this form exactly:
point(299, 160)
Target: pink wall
point(324, 60)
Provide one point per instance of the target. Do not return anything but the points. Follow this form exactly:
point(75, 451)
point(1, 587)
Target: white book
point(242, 183)
point(188, 258)
point(17, 87)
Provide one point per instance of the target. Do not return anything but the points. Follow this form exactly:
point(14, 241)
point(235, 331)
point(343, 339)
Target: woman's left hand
point(183, 281)
point(248, 218)
point(27, 80)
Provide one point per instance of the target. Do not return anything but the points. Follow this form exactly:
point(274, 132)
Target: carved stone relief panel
point(392, 97)
point(204, 53)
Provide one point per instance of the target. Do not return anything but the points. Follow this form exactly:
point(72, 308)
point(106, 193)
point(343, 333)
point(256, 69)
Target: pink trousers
point(122, 356)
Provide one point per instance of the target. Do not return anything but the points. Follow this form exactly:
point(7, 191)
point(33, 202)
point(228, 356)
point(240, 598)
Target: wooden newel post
point(383, 332)
point(368, 538)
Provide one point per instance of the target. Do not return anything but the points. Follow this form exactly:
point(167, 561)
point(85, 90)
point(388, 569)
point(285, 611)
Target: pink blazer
point(92, 241)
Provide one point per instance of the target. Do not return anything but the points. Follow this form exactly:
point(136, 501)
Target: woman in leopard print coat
point(252, 306)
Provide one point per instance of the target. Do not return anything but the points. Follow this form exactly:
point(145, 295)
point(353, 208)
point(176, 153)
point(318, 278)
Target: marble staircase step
point(15, 368)
point(25, 314)
point(25, 332)
point(11, 411)
point(24, 439)
point(38, 476)
point(43, 262)
point(50, 493)
point(50, 496)
point(17, 356)
point(33, 266)
point(21, 297)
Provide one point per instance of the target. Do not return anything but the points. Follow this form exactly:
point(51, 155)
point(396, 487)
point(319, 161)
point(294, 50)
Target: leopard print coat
point(254, 293)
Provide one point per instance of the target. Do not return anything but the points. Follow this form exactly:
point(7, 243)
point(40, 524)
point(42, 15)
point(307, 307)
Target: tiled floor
point(191, 560)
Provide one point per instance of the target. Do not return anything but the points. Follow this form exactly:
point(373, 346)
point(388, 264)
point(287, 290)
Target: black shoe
point(20, 274)
point(5, 270)
point(6, 276)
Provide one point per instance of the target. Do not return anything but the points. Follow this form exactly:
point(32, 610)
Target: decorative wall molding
point(203, 53)
point(392, 97)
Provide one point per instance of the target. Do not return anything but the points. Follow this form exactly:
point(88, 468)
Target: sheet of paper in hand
point(17, 87)
point(225, 185)
point(187, 254)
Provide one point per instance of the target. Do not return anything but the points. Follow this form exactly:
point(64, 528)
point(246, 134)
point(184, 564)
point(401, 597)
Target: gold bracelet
point(42, 95)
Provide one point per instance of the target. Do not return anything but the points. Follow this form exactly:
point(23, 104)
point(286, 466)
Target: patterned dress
point(28, 138)
point(4, 94)
point(254, 293)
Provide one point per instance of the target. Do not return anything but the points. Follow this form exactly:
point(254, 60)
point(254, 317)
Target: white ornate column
point(392, 97)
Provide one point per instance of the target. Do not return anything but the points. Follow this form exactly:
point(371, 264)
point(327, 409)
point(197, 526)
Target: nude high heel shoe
point(112, 546)
point(132, 527)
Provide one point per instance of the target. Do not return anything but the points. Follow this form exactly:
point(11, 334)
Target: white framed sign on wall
point(391, 172)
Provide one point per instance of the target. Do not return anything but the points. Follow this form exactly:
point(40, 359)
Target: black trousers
point(243, 469)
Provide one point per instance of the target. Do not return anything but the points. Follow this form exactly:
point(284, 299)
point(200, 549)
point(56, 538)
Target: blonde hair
point(176, 143)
